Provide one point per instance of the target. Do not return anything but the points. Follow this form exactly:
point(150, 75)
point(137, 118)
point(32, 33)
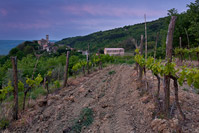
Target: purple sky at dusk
point(33, 19)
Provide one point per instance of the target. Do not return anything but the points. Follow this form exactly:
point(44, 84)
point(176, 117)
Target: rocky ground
point(117, 102)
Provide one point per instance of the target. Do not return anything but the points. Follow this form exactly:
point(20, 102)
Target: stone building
point(114, 51)
point(45, 44)
point(44, 41)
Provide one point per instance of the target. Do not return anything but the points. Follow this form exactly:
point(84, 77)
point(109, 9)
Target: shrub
point(111, 72)
point(4, 123)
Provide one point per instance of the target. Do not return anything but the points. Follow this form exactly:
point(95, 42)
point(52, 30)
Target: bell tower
point(47, 38)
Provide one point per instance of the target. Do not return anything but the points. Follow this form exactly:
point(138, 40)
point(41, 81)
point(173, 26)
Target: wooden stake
point(145, 37)
point(180, 42)
point(169, 46)
point(141, 52)
point(66, 69)
point(88, 59)
point(187, 37)
point(15, 91)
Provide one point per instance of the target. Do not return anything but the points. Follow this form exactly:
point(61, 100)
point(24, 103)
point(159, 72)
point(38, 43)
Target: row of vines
point(168, 70)
point(24, 82)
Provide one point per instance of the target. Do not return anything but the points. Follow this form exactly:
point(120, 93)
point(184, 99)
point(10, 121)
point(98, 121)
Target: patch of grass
point(123, 60)
point(10, 98)
point(185, 89)
point(4, 123)
point(111, 72)
point(161, 116)
point(84, 120)
point(101, 95)
point(38, 92)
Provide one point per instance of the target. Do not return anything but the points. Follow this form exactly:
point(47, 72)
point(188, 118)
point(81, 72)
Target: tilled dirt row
point(118, 104)
point(113, 97)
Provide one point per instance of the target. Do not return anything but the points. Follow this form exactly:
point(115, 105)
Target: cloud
point(3, 12)
point(106, 10)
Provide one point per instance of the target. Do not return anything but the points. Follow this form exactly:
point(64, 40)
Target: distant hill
point(119, 37)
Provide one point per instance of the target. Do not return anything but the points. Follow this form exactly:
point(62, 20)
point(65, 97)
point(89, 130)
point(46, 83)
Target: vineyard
point(37, 76)
point(69, 92)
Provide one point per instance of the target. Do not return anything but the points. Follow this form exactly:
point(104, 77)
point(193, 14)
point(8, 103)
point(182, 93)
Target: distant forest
point(187, 27)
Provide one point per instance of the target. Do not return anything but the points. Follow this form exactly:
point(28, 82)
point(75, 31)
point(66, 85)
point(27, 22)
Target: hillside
point(111, 102)
point(119, 37)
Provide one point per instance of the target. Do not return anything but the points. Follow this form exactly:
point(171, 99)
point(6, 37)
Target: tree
point(193, 14)
point(172, 12)
point(13, 51)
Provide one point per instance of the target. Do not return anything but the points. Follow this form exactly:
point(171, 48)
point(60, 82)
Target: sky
point(33, 19)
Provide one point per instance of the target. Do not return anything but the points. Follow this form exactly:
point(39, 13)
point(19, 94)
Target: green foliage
point(76, 67)
point(189, 74)
point(193, 17)
point(20, 86)
point(33, 83)
point(172, 12)
point(56, 84)
point(27, 65)
point(111, 72)
point(49, 73)
point(7, 89)
point(4, 123)
point(118, 37)
point(37, 92)
point(183, 52)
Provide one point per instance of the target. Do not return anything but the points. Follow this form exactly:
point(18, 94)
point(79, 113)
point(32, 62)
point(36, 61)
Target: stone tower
point(47, 38)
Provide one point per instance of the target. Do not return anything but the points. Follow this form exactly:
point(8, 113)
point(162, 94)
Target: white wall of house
point(114, 51)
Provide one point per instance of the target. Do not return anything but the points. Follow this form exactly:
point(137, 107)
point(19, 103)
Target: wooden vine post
point(141, 52)
point(15, 91)
point(100, 62)
point(181, 54)
point(145, 52)
point(180, 42)
point(169, 43)
point(66, 69)
point(145, 37)
point(187, 37)
point(188, 43)
point(87, 58)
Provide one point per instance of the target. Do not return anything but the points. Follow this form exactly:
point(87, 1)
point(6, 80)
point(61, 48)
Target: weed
point(111, 72)
point(4, 123)
point(84, 120)
point(37, 92)
point(185, 89)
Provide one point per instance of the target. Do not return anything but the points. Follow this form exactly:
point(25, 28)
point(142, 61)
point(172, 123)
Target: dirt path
point(118, 106)
point(111, 93)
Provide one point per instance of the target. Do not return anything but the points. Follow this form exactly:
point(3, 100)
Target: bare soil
point(118, 104)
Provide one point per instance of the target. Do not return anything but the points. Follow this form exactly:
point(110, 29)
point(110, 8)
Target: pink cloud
point(102, 10)
point(3, 12)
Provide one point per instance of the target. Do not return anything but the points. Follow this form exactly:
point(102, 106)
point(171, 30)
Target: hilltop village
point(51, 47)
